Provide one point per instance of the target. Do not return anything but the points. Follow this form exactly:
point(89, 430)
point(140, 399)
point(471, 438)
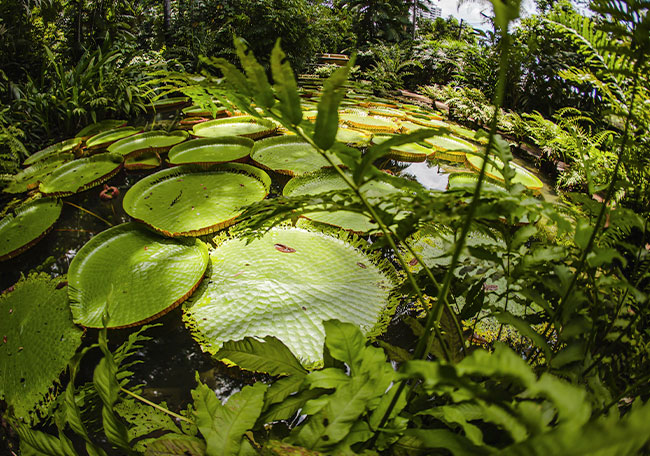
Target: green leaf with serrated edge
point(223, 426)
point(176, 445)
point(379, 150)
point(232, 75)
point(271, 356)
point(290, 406)
point(447, 440)
point(282, 388)
point(327, 378)
point(262, 92)
point(285, 85)
point(327, 121)
point(345, 343)
point(524, 328)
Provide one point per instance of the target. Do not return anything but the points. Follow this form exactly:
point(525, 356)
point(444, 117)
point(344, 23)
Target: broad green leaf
point(285, 85)
point(233, 75)
point(291, 405)
point(327, 378)
point(223, 426)
point(176, 445)
point(524, 328)
point(443, 439)
point(345, 343)
point(453, 415)
point(270, 356)
point(262, 92)
point(327, 121)
point(282, 388)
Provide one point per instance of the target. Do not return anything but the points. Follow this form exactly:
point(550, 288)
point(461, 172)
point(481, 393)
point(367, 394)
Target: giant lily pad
point(148, 160)
point(522, 175)
point(192, 200)
point(411, 152)
point(289, 155)
point(352, 136)
point(29, 178)
point(247, 126)
point(27, 226)
point(38, 340)
point(326, 180)
point(285, 284)
point(211, 150)
point(134, 275)
point(106, 138)
point(167, 104)
point(150, 141)
point(450, 148)
point(69, 145)
point(79, 175)
point(98, 127)
point(369, 123)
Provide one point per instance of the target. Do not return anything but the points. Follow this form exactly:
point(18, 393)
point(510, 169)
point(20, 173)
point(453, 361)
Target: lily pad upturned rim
point(476, 162)
point(183, 135)
point(137, 163)
point(165, 104)
point(68, 145)
point(117, 159)
point(406, 152)
point(49, 203)
point(170, 173)
point(97, 127)
point(369, 123)
point(95, 244)
point(270, 127)
point(350, 240)
point(201, 142)
point(34, 171)
point(93, 144)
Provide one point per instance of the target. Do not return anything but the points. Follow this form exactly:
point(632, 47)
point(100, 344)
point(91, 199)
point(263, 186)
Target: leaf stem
point(88, 212)
point(156, 406)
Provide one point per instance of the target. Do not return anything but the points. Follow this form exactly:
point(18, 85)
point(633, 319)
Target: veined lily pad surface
point(247, 126)
point(30, 177)
point(155, 141)
point(38, 340)
point(285, 284)
point(192, 200)
point(327, 180)
point(80, 175)
point(374, 124)
point(27, 226)
point(137, 274)
point(522, 175)
point(98, 127)
point(211, 150)
point(289, 155)
point(69, 145)
point(104, 139)
point(352, 136)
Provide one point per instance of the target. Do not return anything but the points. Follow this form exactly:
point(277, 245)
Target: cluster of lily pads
point(283, 284)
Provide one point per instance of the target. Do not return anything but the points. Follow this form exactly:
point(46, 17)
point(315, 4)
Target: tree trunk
point(167, 20)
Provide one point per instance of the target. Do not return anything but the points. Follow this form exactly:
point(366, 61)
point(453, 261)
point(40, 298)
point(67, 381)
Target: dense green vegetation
point(526, 321)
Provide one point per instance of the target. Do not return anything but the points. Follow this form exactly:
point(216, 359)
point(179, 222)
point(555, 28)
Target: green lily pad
point(28, 225)
point(98, 127)
point(69, 145)
point(522, 175)
point(412, 152)
point(193, 200)
point(387, 112)
point(148, 160)
point(211, 150)
point(247, 126)
point(79, 175)
point(150, 141)
point(285, 284)
point(369, 123)
point(29, 178)
point(166, 104)
point(200, 111)
point(450, 148)
point(468, 181)
point(427, 122)
point(106, 138)
point(289, 155)
point(352, 136)
point(326, 180)
point(135, 274)
point(38, 340)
